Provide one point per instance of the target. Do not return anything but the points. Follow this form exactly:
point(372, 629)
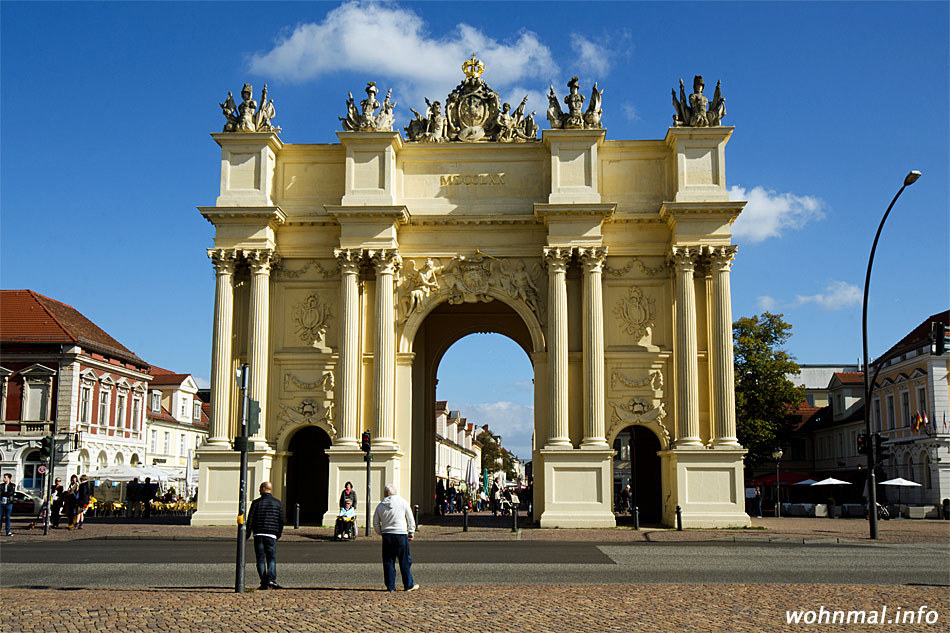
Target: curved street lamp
point(777, 456)
point(910, 179)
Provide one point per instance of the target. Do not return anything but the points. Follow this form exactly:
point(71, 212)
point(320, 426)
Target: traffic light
point(253, 416)
point(46, 447)
point(364, 442)
point(881, 452)
point(863, 448)
point(938, 338)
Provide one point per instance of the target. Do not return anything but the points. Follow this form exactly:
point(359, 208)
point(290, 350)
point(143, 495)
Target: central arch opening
point(488, 378)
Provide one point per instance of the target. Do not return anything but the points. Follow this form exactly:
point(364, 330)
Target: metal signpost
point(240, 444)
point(367, 448)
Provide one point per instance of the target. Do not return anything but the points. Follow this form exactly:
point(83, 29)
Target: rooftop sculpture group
point(473, 112)
point(246, 117)
point(366, 119)
point(575, 118)
point(697, 111)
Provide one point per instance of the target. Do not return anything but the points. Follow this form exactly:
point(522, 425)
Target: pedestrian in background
point(83, 496)
point(757, 501)
point(71, 500)
point(7, 488)
point(132, 491)
point(393, 520)
point(265, 520)
point(348, 493)
point(59, 496)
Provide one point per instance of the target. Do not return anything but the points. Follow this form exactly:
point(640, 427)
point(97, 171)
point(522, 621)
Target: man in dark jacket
point(266, 520)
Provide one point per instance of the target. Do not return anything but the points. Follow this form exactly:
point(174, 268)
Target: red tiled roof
point(850, 377)
point(29, 317)
point(158, 371)
point(919, 335)
point(168, 379)
point(441, 405)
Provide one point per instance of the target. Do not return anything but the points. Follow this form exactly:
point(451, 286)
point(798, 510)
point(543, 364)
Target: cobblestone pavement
point(516, 609)
point(790, 529)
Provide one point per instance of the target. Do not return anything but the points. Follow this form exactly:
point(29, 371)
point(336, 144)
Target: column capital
point(387, 260)
point(557, 258)
point(592, 258)
point(721, 256)
point(223, 259)
point(348, 259)
point(684, 258)
point(260, 260)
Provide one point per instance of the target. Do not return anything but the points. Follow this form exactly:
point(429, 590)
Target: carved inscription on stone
point(637, 313)
point(446, 180)
point(311, 319)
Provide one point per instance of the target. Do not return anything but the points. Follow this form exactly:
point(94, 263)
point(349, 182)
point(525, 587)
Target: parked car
point(26, 503)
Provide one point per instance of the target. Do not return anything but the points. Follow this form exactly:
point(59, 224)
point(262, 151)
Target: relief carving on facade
point(325, 382)
point(696, 111)
point(640, 411)
point(311, 318)
point(309, 412)
point(366, 119)
point(473, 112)
point(283, 271)
point(471, 280)
point(653, 379)
point(575, 118)
point(662, 269)
point(247, 117)
point(637, 313)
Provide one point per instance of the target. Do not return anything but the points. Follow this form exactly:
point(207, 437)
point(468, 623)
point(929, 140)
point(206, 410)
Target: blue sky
point(107, 107)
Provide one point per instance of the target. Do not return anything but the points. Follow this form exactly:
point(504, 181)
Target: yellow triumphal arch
point(345, 270)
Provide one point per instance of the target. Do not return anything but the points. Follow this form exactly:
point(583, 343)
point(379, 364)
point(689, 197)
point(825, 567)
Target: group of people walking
point(392, 520)
point(70, 501)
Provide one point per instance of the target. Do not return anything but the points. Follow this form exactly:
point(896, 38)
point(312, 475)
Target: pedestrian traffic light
point(863, 448)
point(881, 452)
point(253, 417)
point(938, 338)
point(364, 442)
point(46, 446)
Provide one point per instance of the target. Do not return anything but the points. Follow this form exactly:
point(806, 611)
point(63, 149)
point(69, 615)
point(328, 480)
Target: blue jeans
point(6, 511)
point(265, 548)
point(396, 546)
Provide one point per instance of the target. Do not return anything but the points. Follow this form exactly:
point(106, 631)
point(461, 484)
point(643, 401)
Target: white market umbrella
point(471, 475)
point(805, 482)
point(900, 481)
point(126, 473)
point(831, 481)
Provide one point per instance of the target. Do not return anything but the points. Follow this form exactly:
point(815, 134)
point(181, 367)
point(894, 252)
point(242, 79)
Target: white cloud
point(513, 422)
point(386, 41)
point(770, 214)
point(630, 112)
point(202, 382)
point(592, 58)
point(837, 296)
point(766, 303)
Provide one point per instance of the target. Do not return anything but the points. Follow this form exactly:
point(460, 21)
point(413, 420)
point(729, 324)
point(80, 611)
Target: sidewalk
point(766, 529)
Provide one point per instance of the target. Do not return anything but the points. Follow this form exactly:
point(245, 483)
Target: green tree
point(764, 395)
point(492, 451)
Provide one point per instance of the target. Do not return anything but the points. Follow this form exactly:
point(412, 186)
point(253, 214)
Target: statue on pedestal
point(575, 118)
point(696, 111)
point(473, 112)
point(246, 117)
point(366, 119)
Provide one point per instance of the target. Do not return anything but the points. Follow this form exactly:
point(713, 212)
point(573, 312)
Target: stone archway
point(307, 472)
point(637, 463)
point(441, 327)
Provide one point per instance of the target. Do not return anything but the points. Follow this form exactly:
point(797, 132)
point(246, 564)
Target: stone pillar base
point(578, 488)
point(707, 485)
point(219, 480)
point(347, 464)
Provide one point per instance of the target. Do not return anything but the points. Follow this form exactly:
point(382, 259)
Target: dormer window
point(156, 404)
point(196, 415)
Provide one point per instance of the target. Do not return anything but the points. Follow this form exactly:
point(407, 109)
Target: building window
point(31, 478)
point(85, 404)
point(184, 409)
point(877, 415)
point(154, 441)
point(196, 415)
point(120, 411)
point(905, 408)
point(103, 408)
point(921, 400)
point(168, 442)
point(182, 451)
point(136, 413)
point(928, 482)
point(37, 398)
point(890, 412)
point(157, 401)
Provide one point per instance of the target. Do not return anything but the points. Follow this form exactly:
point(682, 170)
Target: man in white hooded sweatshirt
point(393, 520)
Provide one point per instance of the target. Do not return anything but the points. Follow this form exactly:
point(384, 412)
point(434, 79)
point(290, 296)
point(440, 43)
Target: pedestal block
point(708, 487)
point(578, 489)
point(348, 465)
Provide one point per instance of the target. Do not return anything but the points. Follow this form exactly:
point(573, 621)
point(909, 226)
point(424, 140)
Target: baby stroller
point(504, 504)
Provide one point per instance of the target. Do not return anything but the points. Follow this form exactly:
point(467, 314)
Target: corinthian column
point(687, 350)
point(592, 260)
point(223, 261)
point(349, 363)
point(259, 320)
point(723, 373)
point(557, 260)
point(387, 262)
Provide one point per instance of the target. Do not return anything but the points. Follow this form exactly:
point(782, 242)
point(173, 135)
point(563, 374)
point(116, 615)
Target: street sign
point(41, 470)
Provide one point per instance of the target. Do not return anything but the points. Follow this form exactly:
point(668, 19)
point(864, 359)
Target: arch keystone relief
point(344, 271)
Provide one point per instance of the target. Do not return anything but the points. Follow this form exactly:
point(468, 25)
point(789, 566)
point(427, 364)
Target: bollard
point(514, 517)
point(465, 518)
point(679, 518)
point(415, 514)
point(296, 516)
point(636, 517)
point(946, 509)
